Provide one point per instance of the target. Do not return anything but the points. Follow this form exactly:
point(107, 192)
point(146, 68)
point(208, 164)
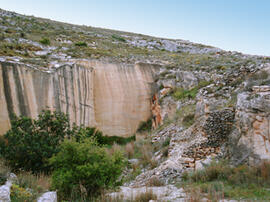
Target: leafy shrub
point(45, 41)
point(166, 142)
point(118, 38)
point(30, 143)
point(84, 169)
point(81, 133)
point(110, 140)
point(81, 43)
point(145, 126)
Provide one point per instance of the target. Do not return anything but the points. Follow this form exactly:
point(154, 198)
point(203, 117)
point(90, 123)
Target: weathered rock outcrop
point(251, 138)
point(113, 97)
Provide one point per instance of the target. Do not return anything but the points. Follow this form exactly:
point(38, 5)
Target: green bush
point(4, 170)
point(45, 41)
point(84, 169)
point(81, 43)
point(145, 126)
point(181, 93)
point(118, 38)
point(81, 133)
point(30, 143)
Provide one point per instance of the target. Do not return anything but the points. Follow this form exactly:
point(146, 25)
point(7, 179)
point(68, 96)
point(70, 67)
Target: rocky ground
point(229, 122)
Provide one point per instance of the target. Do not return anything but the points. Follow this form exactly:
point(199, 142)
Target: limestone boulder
point(5, 192)
point(48, 197)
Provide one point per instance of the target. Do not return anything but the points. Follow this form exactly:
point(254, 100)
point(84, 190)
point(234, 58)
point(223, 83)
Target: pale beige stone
point(112, 97)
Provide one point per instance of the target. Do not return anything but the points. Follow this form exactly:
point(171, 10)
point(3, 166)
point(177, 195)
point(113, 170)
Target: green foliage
point(45, 41)
point(81, 133)
point(166, 142)
point(81, 43)
point(110, 140)
point(19, 194)
point(118, 38)
point(85, 169)
point(12, 49)
point(145, 126)
point(4, 170)
point(181, 93)
point(234, 182)
point(30, 143)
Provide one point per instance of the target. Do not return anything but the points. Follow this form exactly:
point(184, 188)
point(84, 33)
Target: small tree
point(84, 169)
point(30, 143)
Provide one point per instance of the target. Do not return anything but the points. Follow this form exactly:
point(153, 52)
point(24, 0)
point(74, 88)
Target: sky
point(236, 25)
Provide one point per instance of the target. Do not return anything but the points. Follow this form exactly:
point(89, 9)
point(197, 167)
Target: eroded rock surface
point(48, 197)
point(251, 138)
point(113, 97)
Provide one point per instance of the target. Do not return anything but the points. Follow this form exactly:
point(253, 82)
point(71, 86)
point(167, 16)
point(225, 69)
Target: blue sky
point(240, 25)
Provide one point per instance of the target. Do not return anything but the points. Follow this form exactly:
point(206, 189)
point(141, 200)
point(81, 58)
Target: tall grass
point(220, 180)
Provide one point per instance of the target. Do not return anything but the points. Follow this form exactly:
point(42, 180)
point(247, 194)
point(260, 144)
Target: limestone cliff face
point(113, 97)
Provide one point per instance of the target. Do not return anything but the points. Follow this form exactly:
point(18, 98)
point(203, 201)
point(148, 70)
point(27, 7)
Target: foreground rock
point(250, 141)
point(48, 197)
point(5, 192)
point(5, 189)
point(164, 193)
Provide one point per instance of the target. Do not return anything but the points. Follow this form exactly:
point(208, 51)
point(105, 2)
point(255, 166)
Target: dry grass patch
point(39, 183)
point(129, 149)
point(145, 196)
point(155, 182)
